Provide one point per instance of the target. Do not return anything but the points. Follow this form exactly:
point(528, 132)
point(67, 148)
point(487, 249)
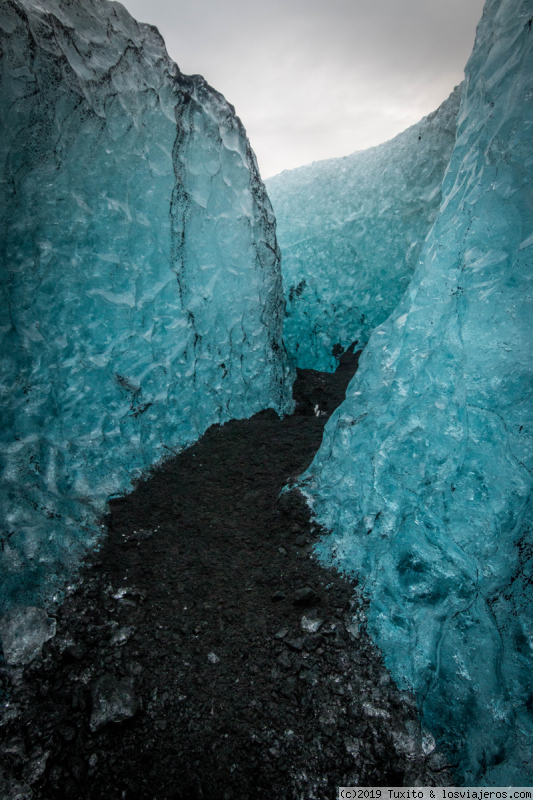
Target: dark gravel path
point(194, 627)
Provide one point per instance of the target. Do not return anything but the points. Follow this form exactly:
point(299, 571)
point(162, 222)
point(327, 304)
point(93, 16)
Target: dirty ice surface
point(23, 631)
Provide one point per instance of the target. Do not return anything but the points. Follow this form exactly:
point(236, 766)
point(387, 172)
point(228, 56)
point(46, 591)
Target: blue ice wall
point(351, 231)
point(141, 294)
point(424, 477)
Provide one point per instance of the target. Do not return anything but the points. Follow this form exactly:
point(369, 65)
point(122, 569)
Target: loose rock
point(113, 701)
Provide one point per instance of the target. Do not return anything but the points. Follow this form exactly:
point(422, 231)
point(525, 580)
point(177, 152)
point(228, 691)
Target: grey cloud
point(313, 80)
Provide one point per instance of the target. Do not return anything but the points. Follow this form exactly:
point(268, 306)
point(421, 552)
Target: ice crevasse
point(424, 477)
point(141, 295)
point(351, 231)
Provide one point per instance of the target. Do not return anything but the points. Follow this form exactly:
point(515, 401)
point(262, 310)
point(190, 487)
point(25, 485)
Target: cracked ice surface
point(141, 292)
point(424, 476)
point(351, 231)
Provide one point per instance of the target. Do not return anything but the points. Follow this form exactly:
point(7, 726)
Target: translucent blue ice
point(351, 231)
point(424, 476)
point(141, 291)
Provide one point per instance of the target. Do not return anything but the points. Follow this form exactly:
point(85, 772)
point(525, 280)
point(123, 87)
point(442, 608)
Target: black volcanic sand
point(191, 612)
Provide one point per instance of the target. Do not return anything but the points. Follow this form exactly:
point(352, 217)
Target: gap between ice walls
point(424, 477)
point(141, 295)
point(351, 231)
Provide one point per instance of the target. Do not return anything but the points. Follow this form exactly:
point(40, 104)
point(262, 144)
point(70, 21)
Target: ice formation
point(351, 231)
point(23, 632)
point(141, 290)
point(424, 476)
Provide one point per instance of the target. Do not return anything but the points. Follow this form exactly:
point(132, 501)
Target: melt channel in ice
point(141, 295)
point(424, 477)
point(351, 231)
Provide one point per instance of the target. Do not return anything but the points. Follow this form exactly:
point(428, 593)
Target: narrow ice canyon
point(145, 298)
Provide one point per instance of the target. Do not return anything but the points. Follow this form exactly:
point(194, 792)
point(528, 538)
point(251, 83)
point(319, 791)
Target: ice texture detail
point(424, 476)
point(140, 286)
point(351, 231)
point(23, 632)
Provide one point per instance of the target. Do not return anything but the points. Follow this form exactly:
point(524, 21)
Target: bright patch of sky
point(312, 79)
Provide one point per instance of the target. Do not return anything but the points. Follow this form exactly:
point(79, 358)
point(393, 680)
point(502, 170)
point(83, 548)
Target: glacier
point(141, 295)
point(351, 231)
point(424, 477)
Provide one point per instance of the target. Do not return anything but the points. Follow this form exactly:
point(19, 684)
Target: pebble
point(113, 701)
point(305, 597)
point(310, 623)
point(122, 635)
point(295, 644)
point(284, 660)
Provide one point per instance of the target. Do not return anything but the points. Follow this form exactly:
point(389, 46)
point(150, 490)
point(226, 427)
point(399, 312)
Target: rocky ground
point(204, 653)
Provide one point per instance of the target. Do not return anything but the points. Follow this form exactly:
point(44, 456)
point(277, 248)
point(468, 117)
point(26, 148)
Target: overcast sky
point(314, 79)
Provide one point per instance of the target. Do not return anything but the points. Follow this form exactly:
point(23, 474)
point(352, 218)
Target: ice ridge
point(424, 476)
point(351, 231)
point(141, 296)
